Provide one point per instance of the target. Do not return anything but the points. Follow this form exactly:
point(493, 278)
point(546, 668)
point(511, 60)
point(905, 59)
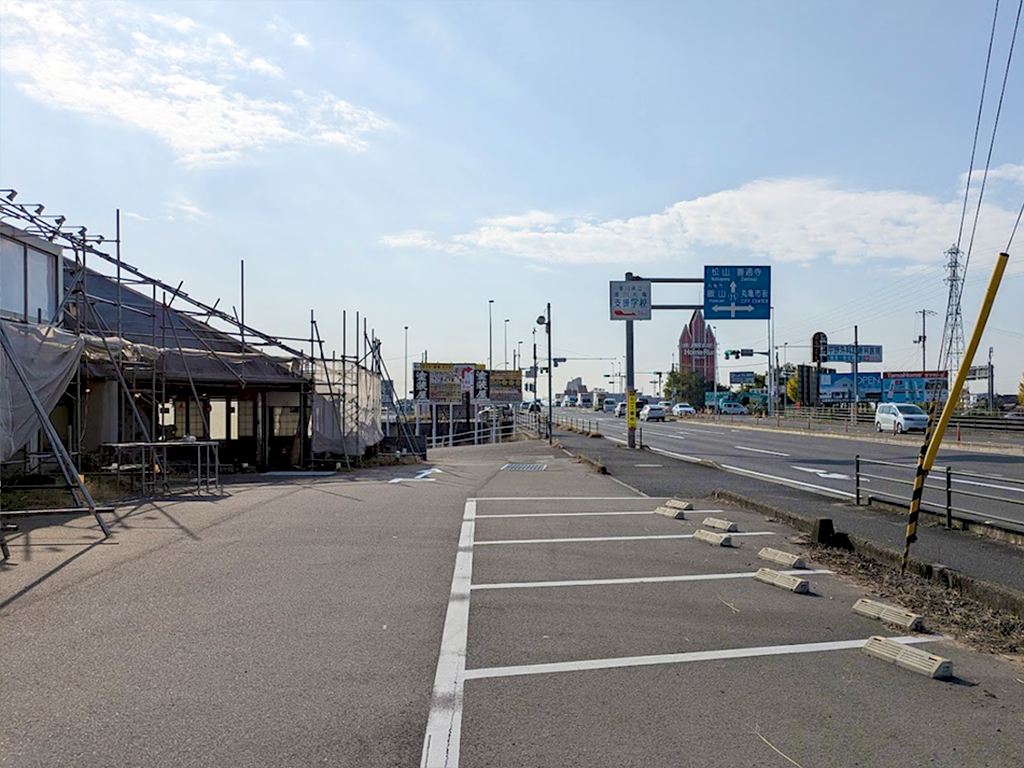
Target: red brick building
point(697, 348)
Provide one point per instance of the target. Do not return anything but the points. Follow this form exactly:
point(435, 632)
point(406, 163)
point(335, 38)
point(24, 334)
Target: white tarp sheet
point(49, 358)
point(349, 422)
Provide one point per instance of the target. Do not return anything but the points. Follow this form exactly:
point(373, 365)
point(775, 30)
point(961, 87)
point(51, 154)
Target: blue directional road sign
point(737, 293)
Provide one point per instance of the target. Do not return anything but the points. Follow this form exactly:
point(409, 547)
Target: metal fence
point(944, 495)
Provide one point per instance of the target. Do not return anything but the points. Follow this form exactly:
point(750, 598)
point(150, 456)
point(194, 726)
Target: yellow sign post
point(933, 436)
point(631, 409)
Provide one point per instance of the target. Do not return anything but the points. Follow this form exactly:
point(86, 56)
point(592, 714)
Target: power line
point(1014, 232)
point(977, 124)
point(992, 141)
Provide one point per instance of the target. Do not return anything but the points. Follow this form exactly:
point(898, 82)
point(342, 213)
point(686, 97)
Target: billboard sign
point(978, 373)
point(741, 377)
point(915, 386)
point(629, 299)
point(505, 387)
point(444, 383)
point(838, 387)
point(737, 293)
point(843, 353)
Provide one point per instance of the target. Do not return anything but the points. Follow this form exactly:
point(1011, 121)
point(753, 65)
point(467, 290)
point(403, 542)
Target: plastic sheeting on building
point(347, 421)
point(49, 358)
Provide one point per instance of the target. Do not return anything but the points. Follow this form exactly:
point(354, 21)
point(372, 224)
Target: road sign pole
point(630, 384)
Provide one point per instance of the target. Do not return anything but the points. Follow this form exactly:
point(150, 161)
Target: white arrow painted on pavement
point(822, 473)
point(421, 477)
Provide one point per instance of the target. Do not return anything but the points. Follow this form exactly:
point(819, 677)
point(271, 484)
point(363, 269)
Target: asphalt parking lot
point(598, 636)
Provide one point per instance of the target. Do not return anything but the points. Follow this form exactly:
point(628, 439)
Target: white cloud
point(194, 88)
point(1011, 172)
point(183, 205)
point(785, 220)
point(282, 28)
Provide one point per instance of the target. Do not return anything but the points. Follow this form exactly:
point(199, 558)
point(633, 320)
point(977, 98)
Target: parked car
point(665, 404)
point(652, 413)
point(900, 417)
point(734, 409)
point(610, 406)
point(683, 409)
point(620, 409)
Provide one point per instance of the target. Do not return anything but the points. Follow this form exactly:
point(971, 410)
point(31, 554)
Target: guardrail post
point(640, 433)
point(949, 497)
point(856, 474)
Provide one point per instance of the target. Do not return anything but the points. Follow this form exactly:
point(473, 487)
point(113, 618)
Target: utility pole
point(406, 362)
point(856, 382)
point(506, 343)
point(490, 336)
point(991, 384)
point(924, 313)
point(535, 376)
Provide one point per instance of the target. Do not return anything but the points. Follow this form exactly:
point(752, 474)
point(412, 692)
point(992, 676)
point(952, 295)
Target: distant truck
point(586, 400)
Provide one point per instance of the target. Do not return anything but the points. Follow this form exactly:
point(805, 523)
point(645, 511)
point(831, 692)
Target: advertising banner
point(915, 386)
point(838, 387)
point(506, 386)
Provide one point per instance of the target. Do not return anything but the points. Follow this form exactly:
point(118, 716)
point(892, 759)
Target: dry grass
point(945, 610)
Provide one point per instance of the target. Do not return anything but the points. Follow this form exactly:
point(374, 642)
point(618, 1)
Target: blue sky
point(413, 160)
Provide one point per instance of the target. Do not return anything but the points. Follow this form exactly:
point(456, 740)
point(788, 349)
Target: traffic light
point(731, 352)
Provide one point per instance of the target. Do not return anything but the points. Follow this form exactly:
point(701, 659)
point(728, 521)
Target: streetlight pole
point(490, 336)
point(406, 361)
point(506, 343)
point(519, 355)
point(545, 320)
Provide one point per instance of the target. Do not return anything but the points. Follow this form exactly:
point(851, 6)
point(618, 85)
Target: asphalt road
point(473, 616)
point(827, 464)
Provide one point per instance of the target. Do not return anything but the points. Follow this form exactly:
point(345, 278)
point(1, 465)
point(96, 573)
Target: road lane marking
point(648, 466)
point(760, 450)
point(444, 722)
point(988, 485)
point(788, 481)
point(636, 580)
point(565, 514)
point(824, 474)
point(562, 498)
point(485, 673)
point(611, 538)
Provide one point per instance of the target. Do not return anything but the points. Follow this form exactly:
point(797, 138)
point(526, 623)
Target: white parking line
point(565, 514)
point(636, 580)
point(444, 723)
point(760, 450)
point(611, 538)
point(679, 658)
point(562, 498)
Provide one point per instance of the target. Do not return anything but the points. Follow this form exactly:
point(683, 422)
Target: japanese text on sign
point(630, 299)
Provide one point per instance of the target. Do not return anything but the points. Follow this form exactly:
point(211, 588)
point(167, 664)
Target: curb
point(1008, 450)
point(595, 463)
point(989, 530)
point(985, 592)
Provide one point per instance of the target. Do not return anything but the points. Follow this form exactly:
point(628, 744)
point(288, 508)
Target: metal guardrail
point(591, 426)
point(996, 422)
point(947, 487)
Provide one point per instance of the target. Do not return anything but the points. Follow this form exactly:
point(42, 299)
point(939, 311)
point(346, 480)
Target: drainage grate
point(525, 467)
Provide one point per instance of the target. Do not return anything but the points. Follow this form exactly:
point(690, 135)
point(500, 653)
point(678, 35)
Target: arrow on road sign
point(824, 474)
point(733, 309)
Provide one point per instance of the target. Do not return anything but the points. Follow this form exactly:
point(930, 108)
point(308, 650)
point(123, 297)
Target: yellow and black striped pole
point(933, 436)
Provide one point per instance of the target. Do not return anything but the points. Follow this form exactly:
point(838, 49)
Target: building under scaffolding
point(127, 359)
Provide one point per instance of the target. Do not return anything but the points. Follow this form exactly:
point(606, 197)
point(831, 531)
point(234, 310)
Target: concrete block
point(679, 504)
point(782, 558)
point(908, 657)
point(722, 525)
point(776, 579)
point(888, 613)
point(714, 539)
point(673, 512)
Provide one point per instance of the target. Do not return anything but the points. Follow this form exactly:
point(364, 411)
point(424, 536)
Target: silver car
point(900, 417)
